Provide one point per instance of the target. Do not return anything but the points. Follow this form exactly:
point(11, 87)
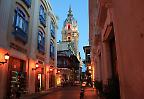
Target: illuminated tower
point(70, 31)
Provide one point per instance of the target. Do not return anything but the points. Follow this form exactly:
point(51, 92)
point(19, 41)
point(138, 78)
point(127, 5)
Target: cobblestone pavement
point(71, 93)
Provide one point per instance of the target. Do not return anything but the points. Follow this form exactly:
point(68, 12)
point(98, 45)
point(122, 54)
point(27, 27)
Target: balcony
point(27, 2)
point(41, 48)
point(53, 34)
point(88, 60)
point(20, 34)
point(42, 20)
point(52, 55)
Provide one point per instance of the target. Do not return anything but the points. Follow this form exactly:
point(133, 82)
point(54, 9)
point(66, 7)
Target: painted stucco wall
point(129, 30)
point(128, 21)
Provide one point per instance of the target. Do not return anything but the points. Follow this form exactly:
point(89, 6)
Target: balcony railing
point(41, 48)
point(27, 2)
point(53, 34)
point(52, 55)
point(42, 20)
point(21, 35)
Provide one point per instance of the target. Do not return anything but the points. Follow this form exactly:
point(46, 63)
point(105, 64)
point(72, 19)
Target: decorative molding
point(23, 6)
point(18, 48)
point(108, 3)
point(107, 32)
point(40, 58)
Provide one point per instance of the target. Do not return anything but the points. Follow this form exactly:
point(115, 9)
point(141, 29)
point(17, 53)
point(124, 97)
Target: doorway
point(114, 80)
point(51, 79)
point(16, 81)
point(39, 82)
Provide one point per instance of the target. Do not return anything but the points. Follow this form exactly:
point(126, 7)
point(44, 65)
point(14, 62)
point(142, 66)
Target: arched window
point(42, 16)
point(21, 25)
point(52, 50)
point(52, 29)
point(69, 38)
point(20, 20)
point(27, 2)
point(41, 41)
point(41, 37)
point(68, 26)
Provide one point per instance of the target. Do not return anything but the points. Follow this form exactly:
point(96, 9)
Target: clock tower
point(70, 31)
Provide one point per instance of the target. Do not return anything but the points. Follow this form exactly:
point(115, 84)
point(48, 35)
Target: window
point(42, 11)
point(64, 62)
point(52, 30)
point(27, 2)
point(52, 50)
point(69, 38)
point(20, 25)
point(68, 26)
point(42, 16)
point(20, 20)
point(41, 42)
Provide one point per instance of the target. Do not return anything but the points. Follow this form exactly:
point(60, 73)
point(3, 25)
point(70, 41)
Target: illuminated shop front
point(39, 77)
point(17, 78)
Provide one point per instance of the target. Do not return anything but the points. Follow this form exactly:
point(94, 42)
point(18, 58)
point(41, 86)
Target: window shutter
point(45, 16)
point(43, 41)
point(26, 26)
point(15, 19)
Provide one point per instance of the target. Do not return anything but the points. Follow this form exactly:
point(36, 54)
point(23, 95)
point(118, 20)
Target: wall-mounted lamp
point(90, 67)
point(58, 71)
point(36, 66)
point(51, 69)
point(6, 58)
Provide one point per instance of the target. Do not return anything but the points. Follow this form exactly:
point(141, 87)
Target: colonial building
point(68, 63)
point(28, 34)
point(87, 62)
point(68, 54)
point(90, 69)
point(116, 37)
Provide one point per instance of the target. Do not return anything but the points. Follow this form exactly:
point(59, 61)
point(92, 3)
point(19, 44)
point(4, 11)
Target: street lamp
point(51, 69)
point(58, 71)
point(90, 67)
point(36, 66)
point(6, 58)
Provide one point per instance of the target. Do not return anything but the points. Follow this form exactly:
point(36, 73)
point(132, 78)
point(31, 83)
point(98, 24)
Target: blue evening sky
point(80, 13)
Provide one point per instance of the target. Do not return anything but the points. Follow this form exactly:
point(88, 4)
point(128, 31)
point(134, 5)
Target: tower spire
point(70, 11)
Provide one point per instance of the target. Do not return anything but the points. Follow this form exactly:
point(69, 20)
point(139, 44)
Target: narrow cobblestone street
point(71, 93)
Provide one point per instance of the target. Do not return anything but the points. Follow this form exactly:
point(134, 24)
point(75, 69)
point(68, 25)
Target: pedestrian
point(82, 93)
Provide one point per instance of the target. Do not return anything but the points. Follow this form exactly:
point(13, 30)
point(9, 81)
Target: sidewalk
point(90, 93)
point(39, 94)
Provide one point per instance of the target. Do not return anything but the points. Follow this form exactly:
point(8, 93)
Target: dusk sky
point(80, 13)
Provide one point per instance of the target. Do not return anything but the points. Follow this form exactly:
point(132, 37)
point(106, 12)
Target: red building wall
point(127, 17)
point(129, 31)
